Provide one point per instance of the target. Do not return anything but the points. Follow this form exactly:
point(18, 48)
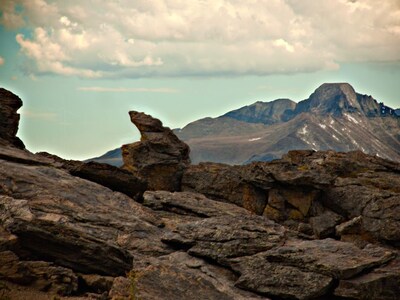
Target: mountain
point(334, 117)
point(112, 157)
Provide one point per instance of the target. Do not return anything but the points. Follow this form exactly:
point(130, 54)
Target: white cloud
point(127, 90)
point(141, 38)
point(1, 61)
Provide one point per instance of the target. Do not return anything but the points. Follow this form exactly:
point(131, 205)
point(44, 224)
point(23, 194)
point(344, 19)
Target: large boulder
point(74, 222)
point(9, 119)
point(160, 158)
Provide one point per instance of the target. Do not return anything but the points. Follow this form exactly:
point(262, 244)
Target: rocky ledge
point(313, 225)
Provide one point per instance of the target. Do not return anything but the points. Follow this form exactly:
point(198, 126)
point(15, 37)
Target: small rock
point(324, 225)
point(352, 226)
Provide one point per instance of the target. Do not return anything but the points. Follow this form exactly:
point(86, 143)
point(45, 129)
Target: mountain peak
point(272, 112)
point(331, 98)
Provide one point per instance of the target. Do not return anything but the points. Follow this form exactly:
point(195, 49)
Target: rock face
point(313, 225)
point(322, 189)
point(159, 158)
point(9, 119)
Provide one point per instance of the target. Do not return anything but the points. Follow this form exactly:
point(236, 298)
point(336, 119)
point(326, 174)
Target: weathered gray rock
point(9, 119)
point(159, 158)
point(334, 258)
point(279, 280)
point(85, 227)
point(220, 238)
point(193, 204)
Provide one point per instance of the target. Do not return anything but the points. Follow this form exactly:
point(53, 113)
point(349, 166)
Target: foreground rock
point(116, 179)
point(85, 227)
point(159, 158)
point(320, 189)
point(9, 119)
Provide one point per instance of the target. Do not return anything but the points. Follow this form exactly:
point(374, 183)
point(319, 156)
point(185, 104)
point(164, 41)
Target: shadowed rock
point(9, 119)
point(159, 158)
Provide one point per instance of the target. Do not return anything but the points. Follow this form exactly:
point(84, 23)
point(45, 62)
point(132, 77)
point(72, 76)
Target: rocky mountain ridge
point(312, 225)
point(334, 117)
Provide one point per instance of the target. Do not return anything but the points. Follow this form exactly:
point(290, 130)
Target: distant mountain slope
point(277, 111)
point(113, 157)
point(333, 117)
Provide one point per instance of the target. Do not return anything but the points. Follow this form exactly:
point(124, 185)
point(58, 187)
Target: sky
point(80, 66)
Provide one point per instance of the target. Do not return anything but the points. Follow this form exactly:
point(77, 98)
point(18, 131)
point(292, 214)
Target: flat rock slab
point(338, 259)
point(278, 280)
point(193, 204)
point(225, 237)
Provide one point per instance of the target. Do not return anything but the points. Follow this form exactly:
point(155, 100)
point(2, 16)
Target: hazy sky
point(80, 66)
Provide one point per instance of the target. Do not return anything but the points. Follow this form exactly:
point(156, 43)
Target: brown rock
point(97, 283)
point(352, 226)
point(160, 158)
point(9, 119)
point(224, 183)
point(324, 224)
point(122, 289)
point(293, 204)
point(382, 283)
point(40, 275)
point(180, 276)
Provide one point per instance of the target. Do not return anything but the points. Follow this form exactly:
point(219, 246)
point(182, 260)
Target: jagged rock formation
point(313, 225)
point(9, 119)
point(159, 156)
point(314, 190)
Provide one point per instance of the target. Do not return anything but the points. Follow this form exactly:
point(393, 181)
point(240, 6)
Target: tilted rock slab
point(74, 222)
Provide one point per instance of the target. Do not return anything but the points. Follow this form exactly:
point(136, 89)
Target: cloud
point(130, 39)
point(45, 116)
point(1, 61)
point(127, 90)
